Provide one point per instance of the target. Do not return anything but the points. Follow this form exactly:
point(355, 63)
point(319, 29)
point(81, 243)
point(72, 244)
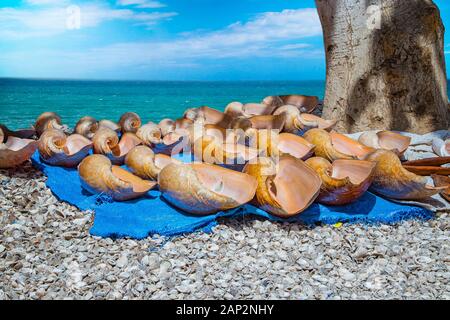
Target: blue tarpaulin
point(153, 215)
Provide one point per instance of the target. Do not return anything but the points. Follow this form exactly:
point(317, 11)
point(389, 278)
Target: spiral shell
point(286, 189)
point(106, 142)
point(130, 122)
point(56, 149)
point(203, 189)
point(167, 126)
point(344, 181)
point(393, 181)
point(144, 163)
point(15, 151)
point(334, 146)
point(98, 175)
point(48, 120)
point(87, 127)
point(150, 134)
point(386, 140)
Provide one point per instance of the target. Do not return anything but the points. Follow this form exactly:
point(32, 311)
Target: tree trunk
point(385, 65)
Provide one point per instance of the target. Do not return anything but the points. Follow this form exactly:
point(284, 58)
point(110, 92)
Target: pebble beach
point(46, 252)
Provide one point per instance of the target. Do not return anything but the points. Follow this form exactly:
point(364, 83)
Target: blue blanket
point(152, 215)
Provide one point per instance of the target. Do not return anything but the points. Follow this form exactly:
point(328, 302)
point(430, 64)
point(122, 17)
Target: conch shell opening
point(305, 104)
point(99, 176)
point(166, 126)
point(386, 140)
point(334, 146)
point(287, 190)
point(344, 181)
point(130, 122)
point(392, 180)
point(55, 148)
point(203, 189)
point(295, 146)
point(16, 151)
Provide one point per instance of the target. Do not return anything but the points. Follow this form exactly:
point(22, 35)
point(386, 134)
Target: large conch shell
point(87, 127)
point(344, 181)
point(213, 150)
point(295, 146)
point(130, 122)
point(237, 109)
point(167, 126)
point(56, 149)
point(106, 142)
point(21, 133)
point(202, 189)
point(109, 125)
point(15, 151)
point(150, 134)
point(286, 191)
point(305, 104)
point(392, 180)
point(301, 122)
point(273, 101)
point(48, 120)
point(144, 163)
point(334, 146)
point(207, 115)
point(386, 140)
point(98, 175)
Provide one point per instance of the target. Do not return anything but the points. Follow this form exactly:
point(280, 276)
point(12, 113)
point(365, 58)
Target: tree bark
point(385, 65)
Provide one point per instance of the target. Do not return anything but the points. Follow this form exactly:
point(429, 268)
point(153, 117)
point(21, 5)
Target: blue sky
point(165, 40)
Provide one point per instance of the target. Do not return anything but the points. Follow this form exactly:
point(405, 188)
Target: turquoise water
point(21, 101)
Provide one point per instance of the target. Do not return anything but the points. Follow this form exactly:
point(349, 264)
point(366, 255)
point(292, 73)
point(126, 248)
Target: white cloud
point(49, 21)
point(273, 34)
point(141, 3)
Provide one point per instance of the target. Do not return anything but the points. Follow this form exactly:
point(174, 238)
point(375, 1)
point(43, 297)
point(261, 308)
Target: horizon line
point(153, 80)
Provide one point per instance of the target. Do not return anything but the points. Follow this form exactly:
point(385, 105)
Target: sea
point(22, 100)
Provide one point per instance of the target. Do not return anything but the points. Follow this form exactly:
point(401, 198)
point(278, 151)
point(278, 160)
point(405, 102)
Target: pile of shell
point(248, 153)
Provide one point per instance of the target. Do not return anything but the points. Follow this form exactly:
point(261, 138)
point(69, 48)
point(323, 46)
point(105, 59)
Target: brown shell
point(309, 121)
point(295, 146)
point(273, 101)
point(87, 127)
point(207, 115)
point(143, 162)
point(203, 189)
point(334, 146)
point(167, 126)
point(284, 189)
point(56, 149)
point(16, 151)
point(211, 150)
point(392, 180)
point(305, 104)
point(109, 125)
point(442, 181)
point(48, 120)
point(386, 140)
point(344, 181)
point(106, 142)
point(130, 122)
point(150, 134)
point(99, 176)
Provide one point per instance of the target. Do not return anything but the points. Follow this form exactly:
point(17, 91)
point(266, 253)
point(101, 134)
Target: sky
point(166, 39)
